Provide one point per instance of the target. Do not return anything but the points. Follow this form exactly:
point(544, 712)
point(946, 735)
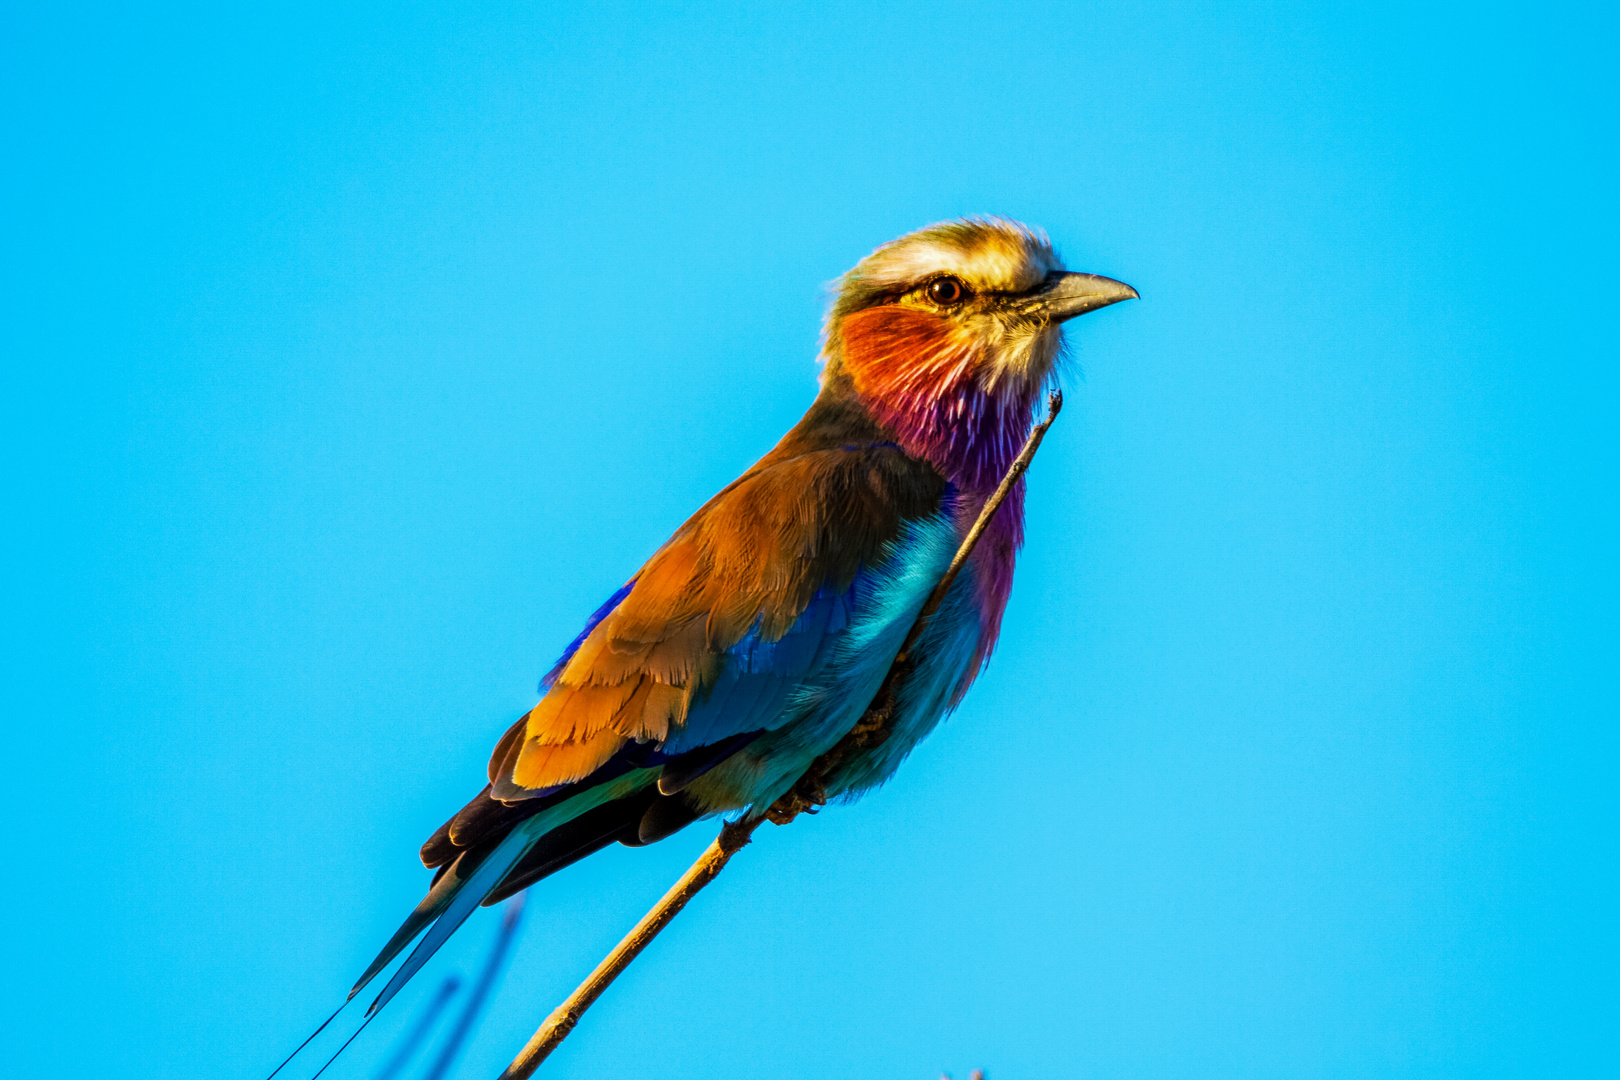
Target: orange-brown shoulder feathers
point(805, 518)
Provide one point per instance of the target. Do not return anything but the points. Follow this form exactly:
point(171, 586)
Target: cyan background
point(353, 354)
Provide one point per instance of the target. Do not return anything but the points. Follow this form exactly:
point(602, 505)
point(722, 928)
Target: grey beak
point(1063, 296)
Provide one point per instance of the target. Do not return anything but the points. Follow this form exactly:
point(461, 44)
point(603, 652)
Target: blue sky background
point(354, 355)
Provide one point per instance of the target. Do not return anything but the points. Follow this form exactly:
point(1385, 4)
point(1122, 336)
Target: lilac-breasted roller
point(752, 641)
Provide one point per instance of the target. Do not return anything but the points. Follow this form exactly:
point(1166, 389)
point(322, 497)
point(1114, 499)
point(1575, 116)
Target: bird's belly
point(943, 659)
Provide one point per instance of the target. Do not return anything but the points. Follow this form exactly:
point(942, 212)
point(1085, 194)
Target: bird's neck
point(913, 376)
point(920, 382)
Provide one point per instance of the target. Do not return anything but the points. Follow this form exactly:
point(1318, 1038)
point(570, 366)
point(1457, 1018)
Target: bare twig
point(807, 794)
point(562, 1020)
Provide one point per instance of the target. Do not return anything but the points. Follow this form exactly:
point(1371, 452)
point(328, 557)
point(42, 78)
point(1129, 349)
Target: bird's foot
point(806, 797)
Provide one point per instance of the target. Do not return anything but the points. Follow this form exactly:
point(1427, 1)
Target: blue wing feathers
point(758, 677)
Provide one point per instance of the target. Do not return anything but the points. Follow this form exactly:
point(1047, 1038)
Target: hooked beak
point(1063, 296)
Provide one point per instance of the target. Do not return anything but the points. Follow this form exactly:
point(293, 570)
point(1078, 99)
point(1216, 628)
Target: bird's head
point(947, 334)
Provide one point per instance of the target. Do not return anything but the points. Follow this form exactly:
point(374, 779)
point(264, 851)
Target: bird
point(751, 642)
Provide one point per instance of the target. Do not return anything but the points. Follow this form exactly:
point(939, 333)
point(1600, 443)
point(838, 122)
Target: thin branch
point(562, 1019)
point(805, 796)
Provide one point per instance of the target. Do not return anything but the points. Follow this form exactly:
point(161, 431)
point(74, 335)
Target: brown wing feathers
point(808, 516)
point(755, 556)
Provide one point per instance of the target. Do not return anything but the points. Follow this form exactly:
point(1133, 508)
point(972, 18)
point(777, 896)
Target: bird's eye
point(945, 291)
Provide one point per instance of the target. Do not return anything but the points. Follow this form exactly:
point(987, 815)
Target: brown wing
point(752, 558)
point(806, 518)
